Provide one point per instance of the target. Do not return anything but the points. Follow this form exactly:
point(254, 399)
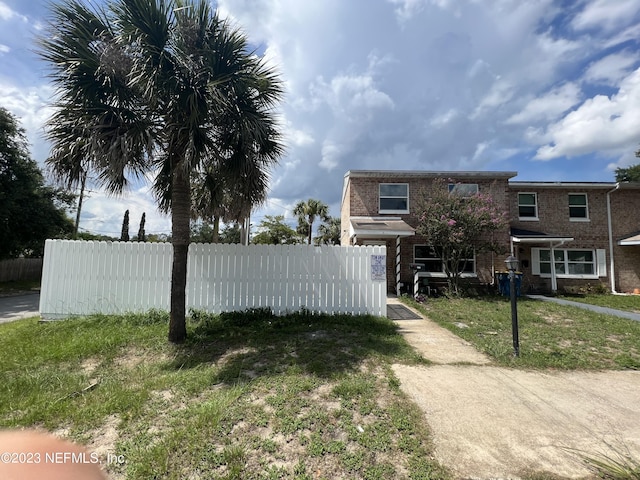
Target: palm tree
point(229, 194)
point(162, 88)
point(307, 213)
point(329, 232)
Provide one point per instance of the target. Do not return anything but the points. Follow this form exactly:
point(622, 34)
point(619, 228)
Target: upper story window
point(394, 198)
point(463, 189)
point(528, 206)
point(578, 210)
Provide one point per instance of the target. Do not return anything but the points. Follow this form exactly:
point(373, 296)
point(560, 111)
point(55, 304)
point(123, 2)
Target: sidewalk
point(435, 343)
point(586, 306)
point(494, 422)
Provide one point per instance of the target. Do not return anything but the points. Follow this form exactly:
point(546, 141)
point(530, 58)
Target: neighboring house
point(576, 224)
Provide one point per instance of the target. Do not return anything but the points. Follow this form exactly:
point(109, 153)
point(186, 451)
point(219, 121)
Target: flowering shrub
point(458, 226)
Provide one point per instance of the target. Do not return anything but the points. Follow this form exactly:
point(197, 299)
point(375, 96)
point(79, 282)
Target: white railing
point(81, 278)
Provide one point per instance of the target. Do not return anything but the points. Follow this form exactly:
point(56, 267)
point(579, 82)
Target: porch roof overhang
point(633, 239)
point(380, 227)
point(529, 236)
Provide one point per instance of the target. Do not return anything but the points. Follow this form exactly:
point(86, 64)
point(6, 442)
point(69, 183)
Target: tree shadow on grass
point(255, 343)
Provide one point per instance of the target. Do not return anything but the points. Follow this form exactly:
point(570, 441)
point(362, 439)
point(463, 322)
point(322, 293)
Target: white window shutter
point(535, 261)
point(602, 262)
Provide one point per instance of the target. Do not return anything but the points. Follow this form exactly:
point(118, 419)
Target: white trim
point(535, 205)
point(599, 267)
point(601, 262)
point(586, 207)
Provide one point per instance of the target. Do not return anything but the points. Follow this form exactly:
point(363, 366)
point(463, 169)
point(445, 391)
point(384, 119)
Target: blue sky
point(550, 89)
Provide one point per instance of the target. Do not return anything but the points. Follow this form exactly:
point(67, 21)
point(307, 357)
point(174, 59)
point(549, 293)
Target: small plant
point(624, 467)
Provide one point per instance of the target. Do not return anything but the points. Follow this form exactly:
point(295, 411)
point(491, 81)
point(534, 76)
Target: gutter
point(612, 263)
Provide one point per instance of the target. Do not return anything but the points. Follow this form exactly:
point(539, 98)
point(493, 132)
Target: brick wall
point(553, 218)
point(625, 221)
point(363, 195)
point(361, 199)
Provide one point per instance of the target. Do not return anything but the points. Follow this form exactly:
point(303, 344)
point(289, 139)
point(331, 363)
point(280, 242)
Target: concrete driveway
point(19, 306)
point(492, 422)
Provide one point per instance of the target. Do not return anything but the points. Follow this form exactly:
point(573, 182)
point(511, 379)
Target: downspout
point(611, 261)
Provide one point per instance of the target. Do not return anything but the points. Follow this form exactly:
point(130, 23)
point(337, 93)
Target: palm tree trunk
point(77, 224)
point(180, 210)
point(310, 231)
point(216, 229)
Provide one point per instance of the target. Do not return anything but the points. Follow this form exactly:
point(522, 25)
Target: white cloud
point(608, 125)
point(331, 153)
point(439, 121)
point(5, 12)
point(31, 107)
point(606, 15)
point(548, 106)
point(611, 69)
point(501, 92)
point(4, 49)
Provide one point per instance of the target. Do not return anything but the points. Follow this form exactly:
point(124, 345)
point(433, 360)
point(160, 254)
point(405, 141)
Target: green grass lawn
point(551, 335)
point(630, 303)
point(248, 396)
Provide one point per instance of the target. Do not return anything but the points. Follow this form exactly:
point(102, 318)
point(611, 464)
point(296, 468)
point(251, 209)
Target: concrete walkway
point(435, 343)
point(586, 306)
point(494, 422)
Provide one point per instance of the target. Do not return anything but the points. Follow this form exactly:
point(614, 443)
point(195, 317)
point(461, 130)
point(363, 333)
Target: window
point(578, 207)
point(569, 263)
point(528, 206)
point(434, 264)
point(463, 189)
point(394, 198)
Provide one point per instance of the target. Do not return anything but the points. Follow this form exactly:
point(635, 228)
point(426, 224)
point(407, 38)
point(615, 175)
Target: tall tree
point(274, 231)
point(329, 232)
point(629, 174)
point(307, 212)
point(141, 235)
point(229, 192)
point(30, 211)
point(163, 87)
point(124, 233)
point(457, 227)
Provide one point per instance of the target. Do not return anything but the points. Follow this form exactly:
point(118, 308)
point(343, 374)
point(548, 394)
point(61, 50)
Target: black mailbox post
point(417, 268)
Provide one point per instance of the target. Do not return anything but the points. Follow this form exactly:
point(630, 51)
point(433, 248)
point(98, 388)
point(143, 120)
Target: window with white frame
point(579, 263)
point(434, 263)
point(578, 209)
point(393, 198)
point(528, 206)
point(463, 189)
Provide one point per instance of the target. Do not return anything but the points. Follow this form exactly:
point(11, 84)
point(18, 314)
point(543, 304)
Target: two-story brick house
point(577, 224)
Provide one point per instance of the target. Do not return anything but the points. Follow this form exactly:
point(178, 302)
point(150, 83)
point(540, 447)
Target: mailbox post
point(512, 265)
point(417, 268)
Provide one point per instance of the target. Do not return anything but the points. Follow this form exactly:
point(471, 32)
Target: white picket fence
point(82, 277)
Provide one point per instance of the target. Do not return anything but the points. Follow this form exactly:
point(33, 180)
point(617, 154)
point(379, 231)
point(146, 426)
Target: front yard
point(249, 396)
point(253, 396)
point(551, 335)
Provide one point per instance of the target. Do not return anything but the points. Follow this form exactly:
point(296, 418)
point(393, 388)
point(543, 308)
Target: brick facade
point(362, 193)
point(361, 199)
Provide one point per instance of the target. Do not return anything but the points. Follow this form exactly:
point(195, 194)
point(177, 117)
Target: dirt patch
point(103, 439)
point(133, 357)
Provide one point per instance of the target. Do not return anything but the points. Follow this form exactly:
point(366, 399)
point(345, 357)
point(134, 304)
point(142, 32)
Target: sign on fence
point(81, 277)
